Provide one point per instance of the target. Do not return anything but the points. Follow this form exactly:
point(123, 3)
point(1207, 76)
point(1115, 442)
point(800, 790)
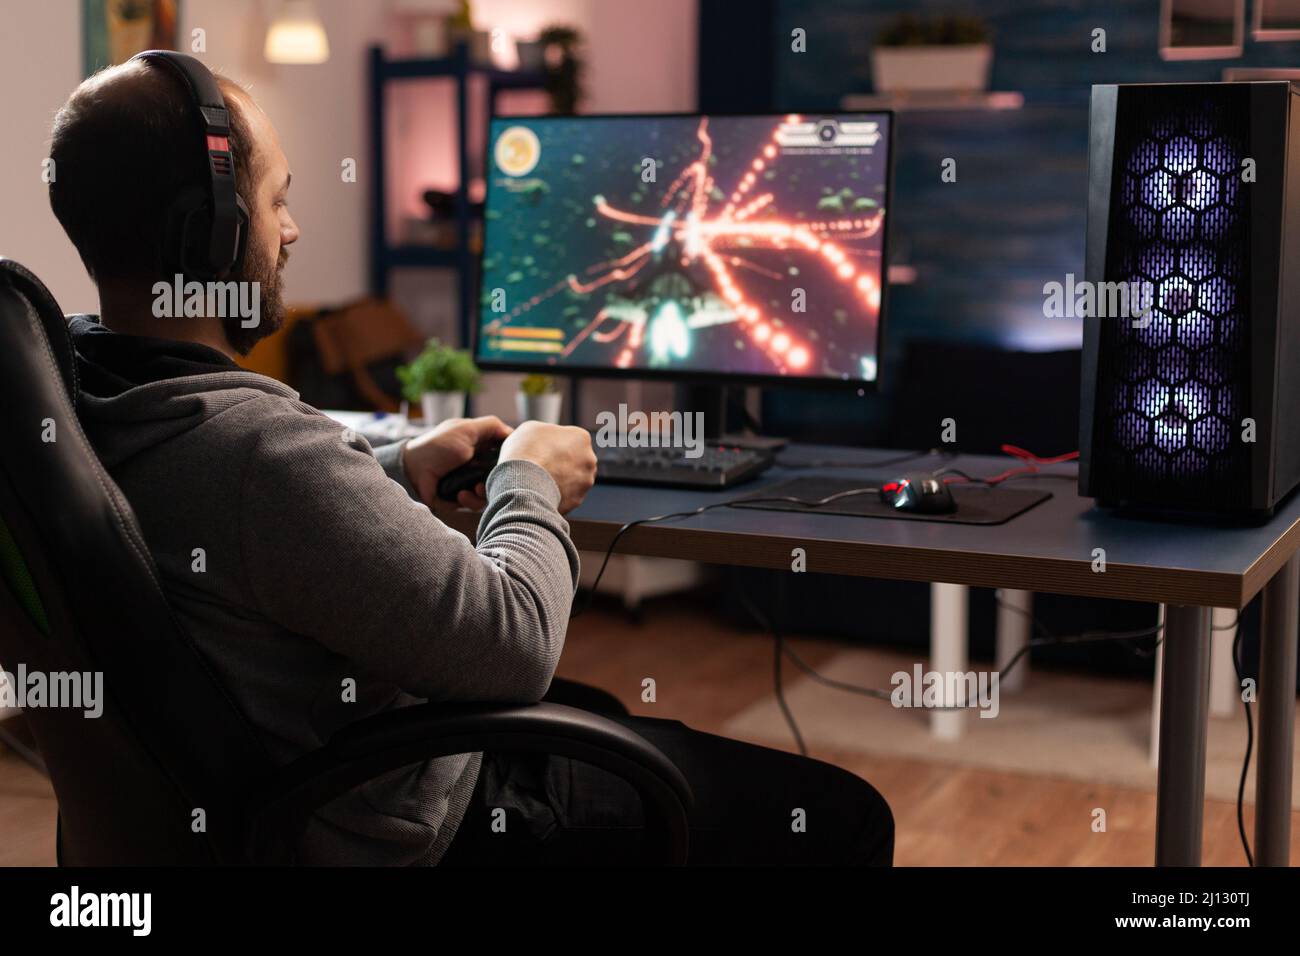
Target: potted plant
point(565, 68)
point(424, 26)
point(539, 399)
point(460, 27)
point(532, 55)
point(439, 379)
point(937, 53)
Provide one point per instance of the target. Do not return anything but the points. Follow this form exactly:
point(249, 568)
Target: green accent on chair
point(19, 579)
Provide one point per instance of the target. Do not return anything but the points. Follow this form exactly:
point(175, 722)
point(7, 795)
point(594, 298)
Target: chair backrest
point(359, 335)
point(161, 776)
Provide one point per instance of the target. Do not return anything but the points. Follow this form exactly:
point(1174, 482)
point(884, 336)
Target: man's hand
point(564, 451)
point(436, 453)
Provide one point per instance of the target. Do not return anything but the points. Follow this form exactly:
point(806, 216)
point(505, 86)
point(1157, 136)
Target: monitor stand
point(726, 422)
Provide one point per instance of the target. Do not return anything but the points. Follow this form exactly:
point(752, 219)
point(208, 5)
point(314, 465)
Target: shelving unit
point(933, 100)
point(385, 253)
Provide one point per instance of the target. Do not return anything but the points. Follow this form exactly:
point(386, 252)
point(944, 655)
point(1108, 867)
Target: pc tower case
point(1191, 401)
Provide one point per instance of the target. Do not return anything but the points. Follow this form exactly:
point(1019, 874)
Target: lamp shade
point(297, 36)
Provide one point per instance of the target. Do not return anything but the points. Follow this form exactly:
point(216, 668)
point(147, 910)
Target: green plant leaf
point(439, 368)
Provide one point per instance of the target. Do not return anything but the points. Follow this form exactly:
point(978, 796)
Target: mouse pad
point(976, 504)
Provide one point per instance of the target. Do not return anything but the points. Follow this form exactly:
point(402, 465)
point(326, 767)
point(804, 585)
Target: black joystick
point(468, 476)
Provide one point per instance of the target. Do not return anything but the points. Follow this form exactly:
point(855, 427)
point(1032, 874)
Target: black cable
point(1250, 745)
point(779, 647)
point(736, 401)
point(1235, 625)
point(976, 480)
point(872, 692)
point(878, 694)
point(1087, 637)
point(784, 499)
point(959, 473)
point(1050, 637)
point(764, 499)
point(833, 463)
point(812, 673)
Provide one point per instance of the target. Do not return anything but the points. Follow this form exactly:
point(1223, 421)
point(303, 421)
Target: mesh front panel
point(1172, 386)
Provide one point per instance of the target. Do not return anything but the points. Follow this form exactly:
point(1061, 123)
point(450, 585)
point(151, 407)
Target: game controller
point(468, 476)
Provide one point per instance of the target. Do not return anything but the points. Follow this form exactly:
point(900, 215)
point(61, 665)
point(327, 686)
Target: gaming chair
point(80, 593)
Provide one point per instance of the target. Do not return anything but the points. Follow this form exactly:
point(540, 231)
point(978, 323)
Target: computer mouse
point(468, 475)
point(920, 493)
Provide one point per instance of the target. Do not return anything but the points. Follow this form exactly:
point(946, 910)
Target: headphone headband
point(214, 254)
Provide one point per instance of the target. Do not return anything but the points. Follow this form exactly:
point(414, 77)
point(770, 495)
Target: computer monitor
point(725, 248)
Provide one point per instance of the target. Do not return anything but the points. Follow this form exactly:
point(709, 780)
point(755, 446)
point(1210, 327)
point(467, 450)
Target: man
point(312, 573)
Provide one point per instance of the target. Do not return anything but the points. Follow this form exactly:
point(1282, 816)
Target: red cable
point(1031, 461)
point(1031, 457)
point(996, 479)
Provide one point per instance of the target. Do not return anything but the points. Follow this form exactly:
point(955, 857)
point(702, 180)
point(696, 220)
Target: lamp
point(297, 35)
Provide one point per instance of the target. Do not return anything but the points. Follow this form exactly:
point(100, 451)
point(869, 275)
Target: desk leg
point(1277, 660)
point(949, 614)
point(1184, 708)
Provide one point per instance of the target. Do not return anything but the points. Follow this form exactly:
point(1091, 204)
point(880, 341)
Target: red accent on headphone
point(218, 144)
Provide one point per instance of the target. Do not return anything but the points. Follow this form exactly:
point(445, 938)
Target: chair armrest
point(409, 735)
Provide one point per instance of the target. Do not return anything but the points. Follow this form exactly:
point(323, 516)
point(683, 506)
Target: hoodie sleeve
point(390, 459)
point(336, 550)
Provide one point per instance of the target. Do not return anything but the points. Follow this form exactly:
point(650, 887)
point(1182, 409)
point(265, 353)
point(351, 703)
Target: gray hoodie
point(301, 562)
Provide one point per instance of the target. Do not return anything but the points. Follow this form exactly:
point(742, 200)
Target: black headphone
point(207, 228)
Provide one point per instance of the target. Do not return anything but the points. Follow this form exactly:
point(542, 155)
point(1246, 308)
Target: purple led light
point(1158, 327)
point(1170, 432)
point(1217, 296)
point(1219, 158)
point(1195, 330)
point(1178, 224)
point(1211, 435)
point(1158, 189)
point(1175, 296)
point(1156, 262)
point(1181, 195)
point(1180, 155)
point(1200, 189)
point(1192, 399)
point(1196, 261)
point(1152, 398)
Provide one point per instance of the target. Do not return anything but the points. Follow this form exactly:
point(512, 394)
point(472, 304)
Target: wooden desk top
point(1048, 548)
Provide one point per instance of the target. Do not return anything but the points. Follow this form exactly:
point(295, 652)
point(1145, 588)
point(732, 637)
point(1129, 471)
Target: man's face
point(271, 230)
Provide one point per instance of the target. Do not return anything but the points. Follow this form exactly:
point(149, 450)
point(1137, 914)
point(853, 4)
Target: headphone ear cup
point(189, 223)
point(242, 218)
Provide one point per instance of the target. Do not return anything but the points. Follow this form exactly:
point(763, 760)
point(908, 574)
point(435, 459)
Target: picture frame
point(113, 31)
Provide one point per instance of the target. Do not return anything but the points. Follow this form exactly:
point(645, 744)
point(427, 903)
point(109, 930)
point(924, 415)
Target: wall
point(984, 246)
point(319, 111)
point(40, 63)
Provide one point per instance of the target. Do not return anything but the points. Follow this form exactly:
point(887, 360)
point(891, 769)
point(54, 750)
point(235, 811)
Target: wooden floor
point(706, 671)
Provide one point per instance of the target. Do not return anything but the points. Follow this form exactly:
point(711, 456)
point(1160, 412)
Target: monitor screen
point(750, 247)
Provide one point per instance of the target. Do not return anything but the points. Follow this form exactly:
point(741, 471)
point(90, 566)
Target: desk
point(1189, 568)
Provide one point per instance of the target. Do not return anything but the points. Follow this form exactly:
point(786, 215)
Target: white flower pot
point(539, 408)
point(532, 55)
point(430, 35)
point(478, 42)
point(440, 406)
point(908, 68)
